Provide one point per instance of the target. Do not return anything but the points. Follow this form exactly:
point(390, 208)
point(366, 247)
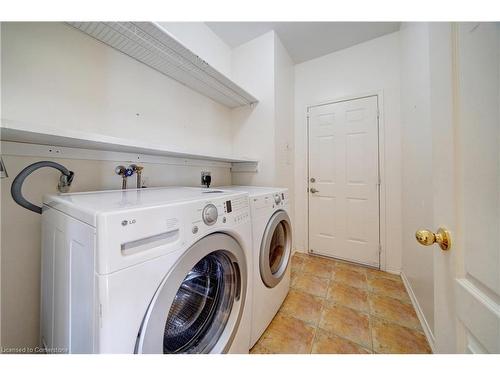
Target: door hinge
point(379, 248)
point(379, 182)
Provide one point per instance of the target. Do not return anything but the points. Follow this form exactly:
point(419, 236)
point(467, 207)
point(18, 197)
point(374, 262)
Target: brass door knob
point(442, 237)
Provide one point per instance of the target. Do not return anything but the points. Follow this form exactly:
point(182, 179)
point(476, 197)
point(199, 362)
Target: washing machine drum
point(202, 312)
point(276, 249)
point(201, 307)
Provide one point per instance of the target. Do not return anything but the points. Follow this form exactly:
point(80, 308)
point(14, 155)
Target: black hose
point(17, 184)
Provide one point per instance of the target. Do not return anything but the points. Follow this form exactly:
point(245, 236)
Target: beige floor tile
point(349, 296)
point(350, 267)
point(394, 310)
point(297, 262)
point(311, 284)
point(393, 338)
point(259, 348)
point(388, 287)
point(337, 307)
point(300, 254)
point(349, 277)
point(373, 274)
point(288, 335)
point(328, 343)
point(347, 323)
point(322, 260)
point(303, 306)
point(318, 267)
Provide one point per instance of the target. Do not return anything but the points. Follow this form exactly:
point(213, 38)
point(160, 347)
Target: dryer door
point(276, 249)
point(198, 306)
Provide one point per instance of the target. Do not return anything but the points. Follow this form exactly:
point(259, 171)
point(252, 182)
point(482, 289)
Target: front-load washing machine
point(164, 270)
point(272, 250)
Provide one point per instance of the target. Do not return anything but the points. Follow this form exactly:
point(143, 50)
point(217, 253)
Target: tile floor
point(337, 307)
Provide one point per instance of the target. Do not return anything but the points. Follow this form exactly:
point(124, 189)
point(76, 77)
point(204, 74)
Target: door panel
point(326, 169)
point(324, 207)
point(465, 58)
point(478, 164)
point(356, 149)
point(343, 172)
point(357, 226)
point(479, 84)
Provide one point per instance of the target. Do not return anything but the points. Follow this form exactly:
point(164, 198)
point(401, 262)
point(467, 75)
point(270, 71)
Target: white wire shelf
point(150, 44)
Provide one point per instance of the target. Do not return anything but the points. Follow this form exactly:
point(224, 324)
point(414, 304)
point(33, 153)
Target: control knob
point(210, 214)
point(277, 199)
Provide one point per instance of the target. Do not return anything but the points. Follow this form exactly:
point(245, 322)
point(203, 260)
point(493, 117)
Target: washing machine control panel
point(221, 213)
point(210, 214)
point(236, 210)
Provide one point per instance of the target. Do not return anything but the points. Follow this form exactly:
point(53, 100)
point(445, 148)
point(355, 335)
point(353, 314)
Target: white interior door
point(344, 180)
point(465, 88)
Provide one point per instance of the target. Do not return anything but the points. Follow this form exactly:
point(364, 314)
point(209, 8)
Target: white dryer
point(272, 250)
point(164, 270)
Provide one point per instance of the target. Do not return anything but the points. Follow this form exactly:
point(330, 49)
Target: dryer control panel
point(263, 204)
point(273, 200)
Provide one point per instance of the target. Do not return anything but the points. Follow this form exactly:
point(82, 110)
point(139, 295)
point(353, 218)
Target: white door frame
point(381, 167)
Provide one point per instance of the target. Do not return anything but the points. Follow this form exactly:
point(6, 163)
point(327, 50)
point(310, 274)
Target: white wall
point(56, 76)
point(367, 67)
point(265, 132)
point(284, 128)
point(253, 128)
point(417, 175)
point(200, 39)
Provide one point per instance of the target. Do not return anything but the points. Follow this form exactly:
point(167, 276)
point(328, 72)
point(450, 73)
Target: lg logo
point(126, 222)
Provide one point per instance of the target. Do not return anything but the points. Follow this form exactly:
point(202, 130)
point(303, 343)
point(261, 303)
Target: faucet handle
point(136, 168)
point(120, 170)
point(129, 172)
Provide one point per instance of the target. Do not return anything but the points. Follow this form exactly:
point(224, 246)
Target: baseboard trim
point(423, 322)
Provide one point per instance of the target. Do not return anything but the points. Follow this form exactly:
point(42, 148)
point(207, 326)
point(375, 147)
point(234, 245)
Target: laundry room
point(249, 187)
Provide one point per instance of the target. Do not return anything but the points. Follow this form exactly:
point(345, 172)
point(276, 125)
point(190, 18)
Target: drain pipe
point(16, 189)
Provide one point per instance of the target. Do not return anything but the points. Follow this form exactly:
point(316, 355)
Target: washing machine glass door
point(198, 307)
point(276, 249)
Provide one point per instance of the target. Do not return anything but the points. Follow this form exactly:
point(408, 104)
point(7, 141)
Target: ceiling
point(305, 40)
